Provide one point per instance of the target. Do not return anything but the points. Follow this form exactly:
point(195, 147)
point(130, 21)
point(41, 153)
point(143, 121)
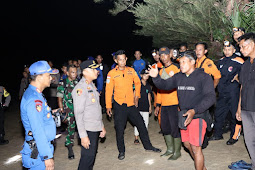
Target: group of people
point(183, 88)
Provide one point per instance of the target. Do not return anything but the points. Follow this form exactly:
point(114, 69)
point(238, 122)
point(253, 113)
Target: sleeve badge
point(108, 79)
point(79, 92)
point(38, 105)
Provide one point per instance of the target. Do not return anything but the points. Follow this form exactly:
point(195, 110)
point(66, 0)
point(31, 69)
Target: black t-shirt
point(247, 80)
point(143, 104)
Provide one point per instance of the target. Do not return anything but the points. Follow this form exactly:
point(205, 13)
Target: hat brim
point(164, 53)
point(53, 71)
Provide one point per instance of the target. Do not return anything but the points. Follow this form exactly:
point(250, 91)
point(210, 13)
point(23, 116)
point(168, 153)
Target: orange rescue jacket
point(166, 97)
point(209, 67)
point(120, 82)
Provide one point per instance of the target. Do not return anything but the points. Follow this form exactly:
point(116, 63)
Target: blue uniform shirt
point(139, 65)
point(113, 66)
point(36, 118)
point(100, 80)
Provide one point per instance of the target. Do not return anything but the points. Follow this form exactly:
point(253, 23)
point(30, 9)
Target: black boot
point(2, 141)
point(70, 151)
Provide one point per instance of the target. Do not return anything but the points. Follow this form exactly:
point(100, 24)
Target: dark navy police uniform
point(228, 93)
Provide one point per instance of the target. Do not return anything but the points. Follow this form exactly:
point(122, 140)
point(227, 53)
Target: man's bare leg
point(188, 146)
point(198, 157)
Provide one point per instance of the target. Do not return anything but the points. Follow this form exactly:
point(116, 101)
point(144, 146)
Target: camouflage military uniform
point(64, 91)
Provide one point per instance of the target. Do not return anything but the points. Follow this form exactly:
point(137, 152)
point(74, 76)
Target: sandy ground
point(217, 155)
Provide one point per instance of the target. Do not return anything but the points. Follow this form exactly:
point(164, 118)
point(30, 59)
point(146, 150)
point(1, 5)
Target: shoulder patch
point(108, 79)
point(38, 105)
point(79, 92)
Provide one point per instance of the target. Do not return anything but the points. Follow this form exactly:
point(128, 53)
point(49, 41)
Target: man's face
point(91, 73)
point(121, 60)
point(99, 59)
point(237, 34)
point(75, 63)
point(183, 49)
point(70, 62)
point(45, 79)
point(64, 69)
point(72, 73)
point(145, 76)
point(26, 69)
point(165, 58)
point(186, 64)
point(200, 50)
point(79, 62)
point(156, 57)
point(229, 51)
point(25, 75)
point(246, 47)
point(138, 55)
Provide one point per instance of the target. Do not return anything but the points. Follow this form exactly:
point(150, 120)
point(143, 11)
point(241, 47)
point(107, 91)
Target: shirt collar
point(35, 89)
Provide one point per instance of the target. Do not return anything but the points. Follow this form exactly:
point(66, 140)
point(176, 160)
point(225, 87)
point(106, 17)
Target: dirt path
point(217, 155)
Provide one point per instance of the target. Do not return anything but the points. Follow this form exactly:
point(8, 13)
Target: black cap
point(88, 64)
point(164, 50)
point(143, 71)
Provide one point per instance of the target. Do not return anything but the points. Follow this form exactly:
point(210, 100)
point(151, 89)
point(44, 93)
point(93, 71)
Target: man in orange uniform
point(206, 63)
point(120, 80)
point(168, 101)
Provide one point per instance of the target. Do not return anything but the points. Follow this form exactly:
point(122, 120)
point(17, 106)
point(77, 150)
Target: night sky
point(60, 30)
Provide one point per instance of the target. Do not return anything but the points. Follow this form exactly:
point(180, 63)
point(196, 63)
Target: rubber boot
point(70, 152)
point(169, 144)
point(177, 149)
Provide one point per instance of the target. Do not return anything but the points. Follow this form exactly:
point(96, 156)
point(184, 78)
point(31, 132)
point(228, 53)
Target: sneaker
point(136, 142)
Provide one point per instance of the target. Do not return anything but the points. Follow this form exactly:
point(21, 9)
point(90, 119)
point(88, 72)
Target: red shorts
point(195, 132)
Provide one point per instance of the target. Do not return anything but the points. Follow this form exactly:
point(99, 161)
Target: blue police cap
point(41, 67)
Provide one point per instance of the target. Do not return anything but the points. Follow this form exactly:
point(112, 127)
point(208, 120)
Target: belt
point(31, 141)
